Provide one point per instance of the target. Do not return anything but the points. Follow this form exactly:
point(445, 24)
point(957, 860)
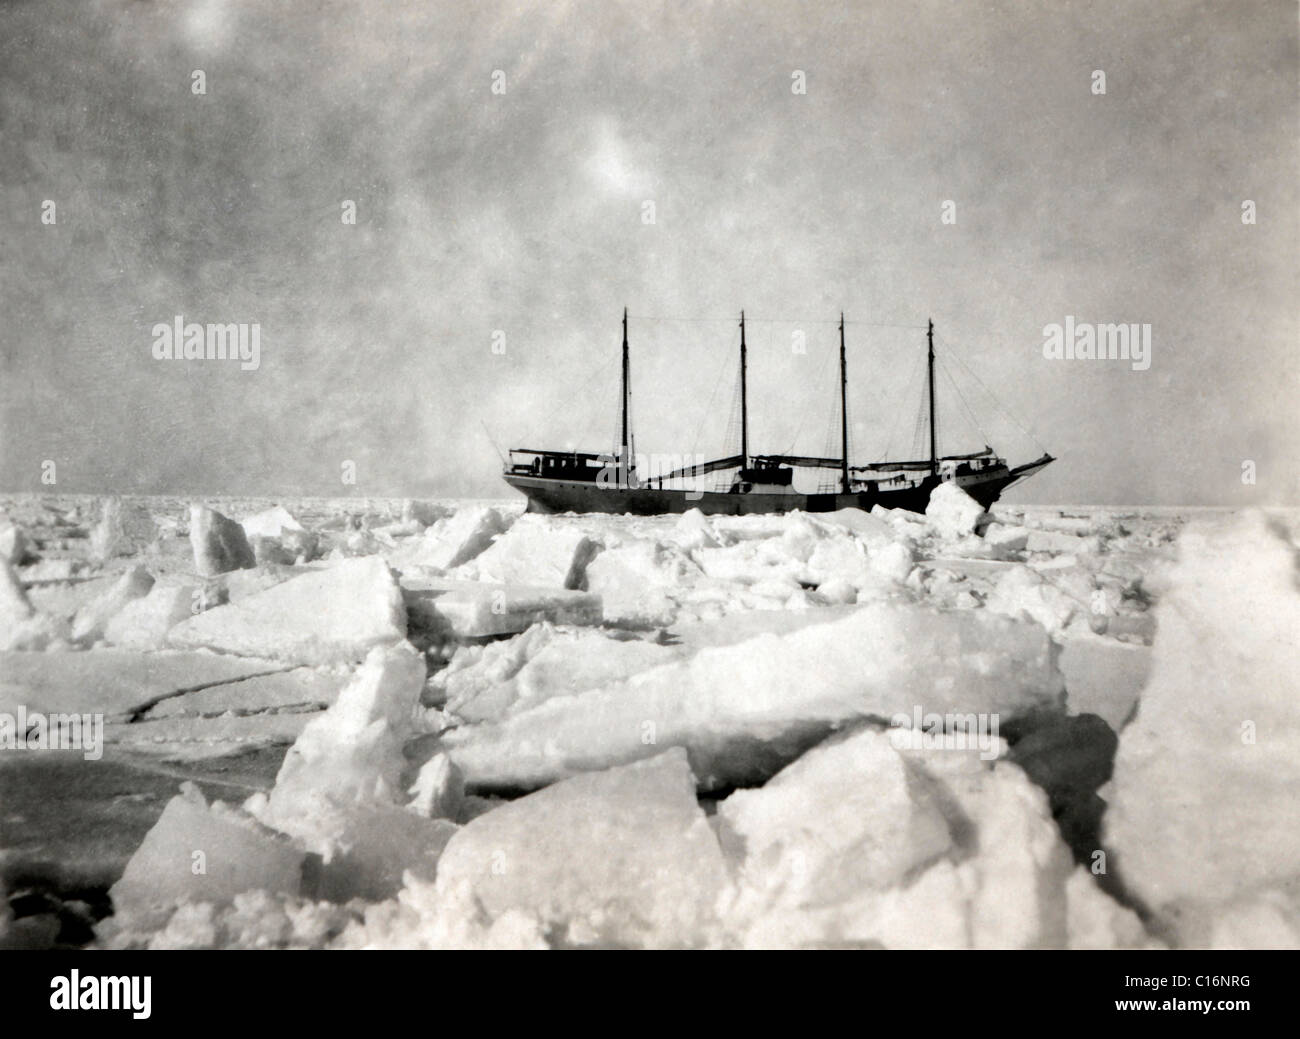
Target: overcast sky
point(524, 212)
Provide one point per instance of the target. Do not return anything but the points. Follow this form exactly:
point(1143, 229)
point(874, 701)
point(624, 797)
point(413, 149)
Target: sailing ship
point(573, 481)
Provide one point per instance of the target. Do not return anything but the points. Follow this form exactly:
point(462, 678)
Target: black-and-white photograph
point(643, 474)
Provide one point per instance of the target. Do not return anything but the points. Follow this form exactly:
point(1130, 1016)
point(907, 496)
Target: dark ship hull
point(548, 495)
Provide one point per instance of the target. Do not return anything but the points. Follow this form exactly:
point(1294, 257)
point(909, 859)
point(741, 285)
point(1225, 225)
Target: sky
point(499, 234)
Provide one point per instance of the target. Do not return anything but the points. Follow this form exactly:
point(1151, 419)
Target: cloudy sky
point(523, 212)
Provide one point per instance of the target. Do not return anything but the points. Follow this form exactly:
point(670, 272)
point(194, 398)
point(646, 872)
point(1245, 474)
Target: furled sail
point(704, 468)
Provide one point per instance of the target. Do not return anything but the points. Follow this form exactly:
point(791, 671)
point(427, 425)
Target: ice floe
point(325, 616)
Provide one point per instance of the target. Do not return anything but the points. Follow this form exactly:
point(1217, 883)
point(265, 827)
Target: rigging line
point(775, 321)
point(950, 347)
point(492, 442)
point(591, 417)
point(708, 409)
point(583, 394)
point(898, 412)
point(943, 366)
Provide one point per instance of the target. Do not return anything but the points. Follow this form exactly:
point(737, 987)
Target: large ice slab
point(114, 682)
point(1104, 677)
point(455, 539)
point(540, 665)
point(536, 550)
point(202, 853)
point(1203, 810)
point(192, 740)
point(474, 609)
point(327, 616)
point(745, 710)
point(302, 688)
point(862, 843)
point(623, 857)
point(637, 581)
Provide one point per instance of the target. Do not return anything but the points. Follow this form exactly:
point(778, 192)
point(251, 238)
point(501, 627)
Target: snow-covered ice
point(325, 616)
point(467, 727)
point(744, 710)
point(1204, 818)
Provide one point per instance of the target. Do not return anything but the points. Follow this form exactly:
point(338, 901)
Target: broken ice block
point(15, 607)
point(108, 537)
point(454, 540)
point(472, 609)
point(15, 548)
point(693, 530)
point(623, 857)
point(1006, 539)
point(1104, 677)
point(635, 582)
point(743, 711)
point(340, 784)
point(1203, 805)
point(117, 683)
point(353, 752)
point(326, 616)
point(536, 551)
point(425, 513)
point(439, 789)
point(269, 551)
point(575, 661)
point(91, 620)
point(202, 853)
point(372, 848)
point(952, 512)
point(143, 623)
point(860, 842)
point(1051, 541)
point(1022, 590)
point(270, 523)
point(843, 818)
point(219, 543)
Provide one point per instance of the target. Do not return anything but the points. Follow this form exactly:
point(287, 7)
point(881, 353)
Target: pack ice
point(742, 711)
point(676, 731)
point(1204, 819)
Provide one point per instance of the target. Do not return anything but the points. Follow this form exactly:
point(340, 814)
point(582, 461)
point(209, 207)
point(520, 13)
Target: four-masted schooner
point(573, 481)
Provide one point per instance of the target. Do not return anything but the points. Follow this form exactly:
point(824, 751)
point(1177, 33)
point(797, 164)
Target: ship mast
point(625, 458)
point(744, 406)
point(934, 454)
point(844, 414)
